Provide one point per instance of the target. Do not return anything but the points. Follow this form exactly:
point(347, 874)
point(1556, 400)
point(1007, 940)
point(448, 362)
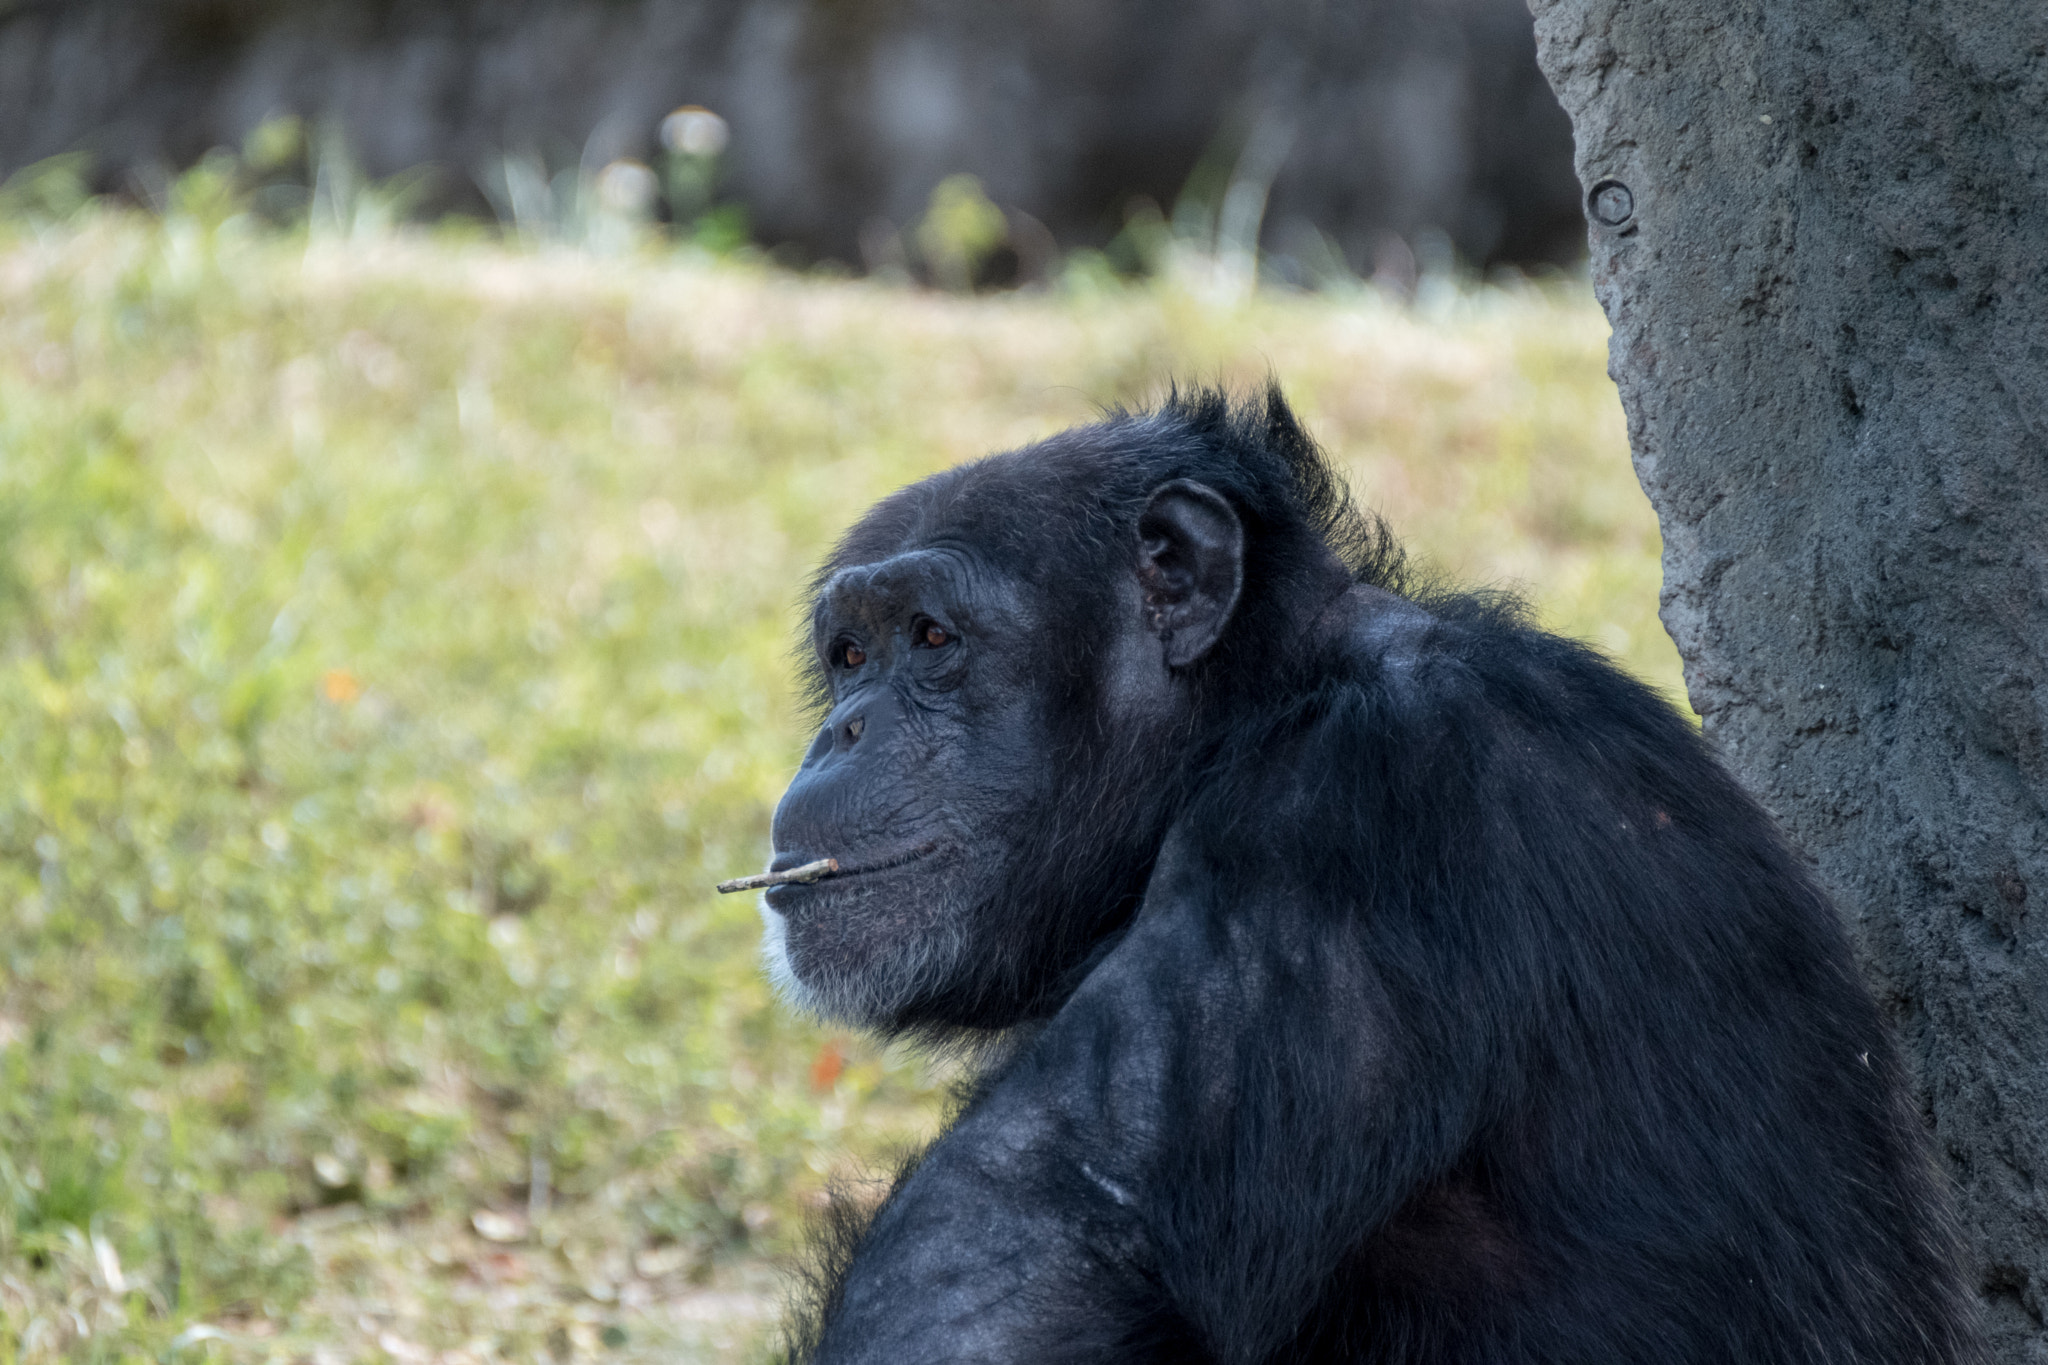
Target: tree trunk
point(1820, 231)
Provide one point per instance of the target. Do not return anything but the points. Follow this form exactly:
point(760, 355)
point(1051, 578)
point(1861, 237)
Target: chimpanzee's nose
point(837, 736)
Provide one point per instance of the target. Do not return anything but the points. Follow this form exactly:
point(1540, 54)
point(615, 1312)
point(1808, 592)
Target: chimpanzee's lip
point(887, 862)
point(891, 862)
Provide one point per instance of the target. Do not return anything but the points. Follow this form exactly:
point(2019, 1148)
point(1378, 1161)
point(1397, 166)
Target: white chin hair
point(870, 1000)
point(775, 961)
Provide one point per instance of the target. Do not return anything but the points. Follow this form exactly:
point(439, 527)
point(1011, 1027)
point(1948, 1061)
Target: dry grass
point(393, 651)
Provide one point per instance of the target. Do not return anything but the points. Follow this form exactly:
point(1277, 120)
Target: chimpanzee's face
point(928, 768)
point(997, 762)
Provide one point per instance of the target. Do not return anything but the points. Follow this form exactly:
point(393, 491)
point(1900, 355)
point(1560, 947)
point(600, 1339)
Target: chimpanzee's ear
point(1190, 567)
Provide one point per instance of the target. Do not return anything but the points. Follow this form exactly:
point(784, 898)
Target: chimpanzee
point(1381, 978)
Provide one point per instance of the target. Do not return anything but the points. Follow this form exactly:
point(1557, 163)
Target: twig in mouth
point(809, 872)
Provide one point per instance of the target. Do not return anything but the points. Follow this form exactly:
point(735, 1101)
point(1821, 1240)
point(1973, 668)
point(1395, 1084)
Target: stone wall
point(1374, 122)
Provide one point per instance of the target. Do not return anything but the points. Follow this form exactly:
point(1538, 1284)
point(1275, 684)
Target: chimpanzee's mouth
point(791, 869)
point(849, 867)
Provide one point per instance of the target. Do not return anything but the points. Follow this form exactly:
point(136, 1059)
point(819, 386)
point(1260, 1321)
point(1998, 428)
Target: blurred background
point(1340, 137)
point(416, 423)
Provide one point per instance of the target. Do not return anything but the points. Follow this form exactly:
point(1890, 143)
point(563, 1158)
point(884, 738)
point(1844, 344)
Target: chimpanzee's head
point(1019, 662)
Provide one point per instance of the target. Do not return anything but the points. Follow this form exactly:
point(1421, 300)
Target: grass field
point(393, 651)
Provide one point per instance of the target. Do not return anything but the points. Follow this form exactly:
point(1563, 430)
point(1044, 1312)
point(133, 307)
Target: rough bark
point(1820, 230)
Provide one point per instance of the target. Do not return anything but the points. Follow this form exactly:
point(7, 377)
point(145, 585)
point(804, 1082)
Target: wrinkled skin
point(923, 760)
point(930, 759)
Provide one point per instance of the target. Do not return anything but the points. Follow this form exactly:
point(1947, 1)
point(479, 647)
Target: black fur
point(1395, 982)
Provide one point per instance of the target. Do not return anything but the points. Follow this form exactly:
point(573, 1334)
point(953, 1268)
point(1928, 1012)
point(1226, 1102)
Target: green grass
point(394, 649)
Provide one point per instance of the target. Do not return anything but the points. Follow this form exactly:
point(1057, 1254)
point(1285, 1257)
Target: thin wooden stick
point(809, 872)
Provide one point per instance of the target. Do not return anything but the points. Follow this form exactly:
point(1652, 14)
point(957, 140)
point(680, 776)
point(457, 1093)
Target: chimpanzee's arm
point(1064, 1218)
point(1017, 1237)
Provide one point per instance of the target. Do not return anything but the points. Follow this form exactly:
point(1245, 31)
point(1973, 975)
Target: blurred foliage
point(292, 175)
point(394, 637)
point(959, 231)
point(50, 191)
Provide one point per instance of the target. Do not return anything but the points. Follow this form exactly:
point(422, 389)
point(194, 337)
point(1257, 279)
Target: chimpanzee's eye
point(852, 655)
point(933, 635)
